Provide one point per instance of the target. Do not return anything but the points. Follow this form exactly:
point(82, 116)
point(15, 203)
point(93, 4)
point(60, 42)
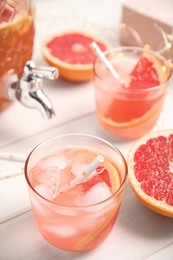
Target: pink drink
point(131, 109)
point(82, 217)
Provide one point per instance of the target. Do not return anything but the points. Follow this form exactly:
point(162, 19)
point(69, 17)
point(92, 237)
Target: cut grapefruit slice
point(70, 52)
point(144, 75)
point(150, 165)
point(110, 175)
point(90, 237)
point(107, 173)
point(136, 127)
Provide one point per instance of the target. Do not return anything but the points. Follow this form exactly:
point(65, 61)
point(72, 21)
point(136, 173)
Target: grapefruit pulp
point(70, 52)
point(150, 165)
point(144, 74)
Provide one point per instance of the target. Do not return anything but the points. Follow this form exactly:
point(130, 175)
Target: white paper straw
point(12, 157)
point(79, 179)
point(105, 61)
point(6, 175)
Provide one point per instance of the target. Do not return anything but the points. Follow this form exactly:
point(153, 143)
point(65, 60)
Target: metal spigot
point(28, 89)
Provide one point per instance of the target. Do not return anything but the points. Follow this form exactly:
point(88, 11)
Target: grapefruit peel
point(94, 233)
point(114, 176)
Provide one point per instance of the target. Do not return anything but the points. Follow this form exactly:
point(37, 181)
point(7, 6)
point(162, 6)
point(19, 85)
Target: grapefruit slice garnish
point(70, 52)
point(144, 75)
point(150, 164)
point(107, 173)
point(95, 232)
point(149, 72)
point(111, 176)
point(136, 121)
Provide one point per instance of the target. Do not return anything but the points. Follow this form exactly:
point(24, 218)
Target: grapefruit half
point(70, 52)
point(150, 165)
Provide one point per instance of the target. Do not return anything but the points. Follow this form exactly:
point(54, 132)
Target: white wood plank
point(18, 122)
point(165, 253)
point(87, 124)
point(14, 198)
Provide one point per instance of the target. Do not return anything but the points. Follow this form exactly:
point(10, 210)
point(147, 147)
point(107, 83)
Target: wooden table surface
point(139, 233)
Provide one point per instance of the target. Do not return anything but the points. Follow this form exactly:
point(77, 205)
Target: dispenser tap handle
point(28, 89)
point(31, 71)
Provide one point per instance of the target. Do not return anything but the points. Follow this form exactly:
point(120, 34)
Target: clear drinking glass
point(16, 41)
point(81, 218)
point(130, 112)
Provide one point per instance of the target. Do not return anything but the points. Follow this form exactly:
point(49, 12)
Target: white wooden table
point(138, 233)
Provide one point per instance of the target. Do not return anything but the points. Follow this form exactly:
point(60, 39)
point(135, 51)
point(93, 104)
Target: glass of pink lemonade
point(82, 217)
point(131, 108)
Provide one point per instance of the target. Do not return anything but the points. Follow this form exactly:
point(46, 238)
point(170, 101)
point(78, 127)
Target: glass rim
point(76, 135)
point(139, 49)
